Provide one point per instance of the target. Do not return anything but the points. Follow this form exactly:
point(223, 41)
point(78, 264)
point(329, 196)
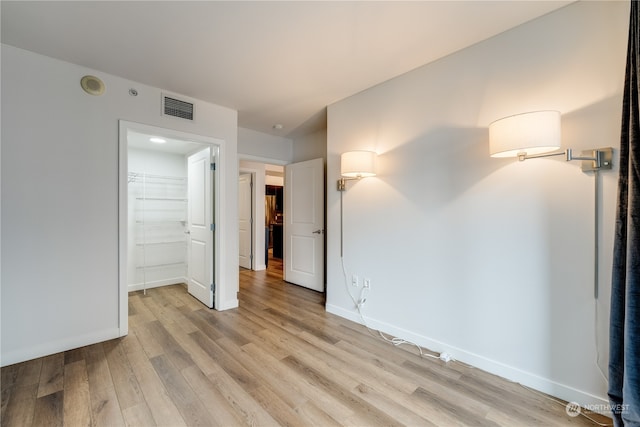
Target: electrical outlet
point(366, 283)
point(354, 280)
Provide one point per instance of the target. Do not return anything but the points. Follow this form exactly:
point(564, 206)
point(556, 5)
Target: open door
point(304, 224)
point(245, 223)
point(200, 227)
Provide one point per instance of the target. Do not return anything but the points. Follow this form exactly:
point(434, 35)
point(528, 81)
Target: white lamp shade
point(355, 164)
point(531, 133)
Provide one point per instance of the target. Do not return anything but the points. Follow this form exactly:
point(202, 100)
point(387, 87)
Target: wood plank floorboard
point(77, 398)
point(278, 360)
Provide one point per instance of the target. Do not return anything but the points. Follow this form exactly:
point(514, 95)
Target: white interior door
point(304, 224)
point(245, 220)
point(200, 227)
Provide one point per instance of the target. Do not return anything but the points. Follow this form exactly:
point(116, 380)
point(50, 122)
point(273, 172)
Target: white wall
point(309, 147)
point(258, 146)
point(488, 259)
point(60, 201)
point(157, 162)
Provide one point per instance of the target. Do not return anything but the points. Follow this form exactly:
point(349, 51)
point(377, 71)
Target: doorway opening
point(167, 213)
point(274, 217)
point(261, 213)
point(292, 197)
point(246, 215)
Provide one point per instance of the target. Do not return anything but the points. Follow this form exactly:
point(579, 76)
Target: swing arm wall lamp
point(355, 165)
point(537, 134)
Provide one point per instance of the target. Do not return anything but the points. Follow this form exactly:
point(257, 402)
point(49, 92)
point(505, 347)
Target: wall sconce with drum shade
point(356, 165)
point(537, 134)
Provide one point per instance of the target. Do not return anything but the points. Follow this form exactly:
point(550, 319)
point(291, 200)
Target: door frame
point(217, 146)
point(258, 203)
point(254, 222)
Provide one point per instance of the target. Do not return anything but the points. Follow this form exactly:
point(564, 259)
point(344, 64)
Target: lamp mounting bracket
point(342, 182)
point(592, 160)
point(595, 159)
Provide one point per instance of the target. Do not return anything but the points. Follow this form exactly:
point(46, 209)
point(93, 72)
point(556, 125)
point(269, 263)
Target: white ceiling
point(274, 62)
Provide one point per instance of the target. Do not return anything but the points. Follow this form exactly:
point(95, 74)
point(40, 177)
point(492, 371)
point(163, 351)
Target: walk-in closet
point(157, 212)
point(157, 184)
point(168, 210)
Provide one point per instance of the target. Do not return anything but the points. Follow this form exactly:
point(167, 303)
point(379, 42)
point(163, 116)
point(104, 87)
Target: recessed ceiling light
point(157, 140)
point(278, 126)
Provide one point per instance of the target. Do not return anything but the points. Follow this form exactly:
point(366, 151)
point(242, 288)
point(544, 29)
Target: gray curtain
point(624, 344)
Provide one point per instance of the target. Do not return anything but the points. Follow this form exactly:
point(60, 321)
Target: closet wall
point(157, 211)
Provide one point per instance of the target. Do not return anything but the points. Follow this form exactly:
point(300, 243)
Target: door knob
point(187, 232)
point(318, 232)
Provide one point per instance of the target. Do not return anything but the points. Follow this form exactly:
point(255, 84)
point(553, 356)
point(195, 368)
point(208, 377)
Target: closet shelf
point(135, 175)
point(158, 208)
point(162, 222)
point(163, 199)
point(171, 264)
point(168, 242)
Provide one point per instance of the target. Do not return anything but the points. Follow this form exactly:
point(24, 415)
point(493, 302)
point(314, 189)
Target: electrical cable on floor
point(360, 302)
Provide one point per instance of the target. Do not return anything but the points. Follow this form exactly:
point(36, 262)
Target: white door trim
point(257, 206)
point(253, 220)
point(219, 195)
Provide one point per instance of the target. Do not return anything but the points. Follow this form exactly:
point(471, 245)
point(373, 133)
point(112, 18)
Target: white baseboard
point(45, 349)
point(536, 382)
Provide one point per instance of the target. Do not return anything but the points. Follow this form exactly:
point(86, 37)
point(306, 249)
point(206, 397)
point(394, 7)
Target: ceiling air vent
point(177, 108)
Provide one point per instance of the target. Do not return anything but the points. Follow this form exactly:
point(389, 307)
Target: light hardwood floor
point(279, 359)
